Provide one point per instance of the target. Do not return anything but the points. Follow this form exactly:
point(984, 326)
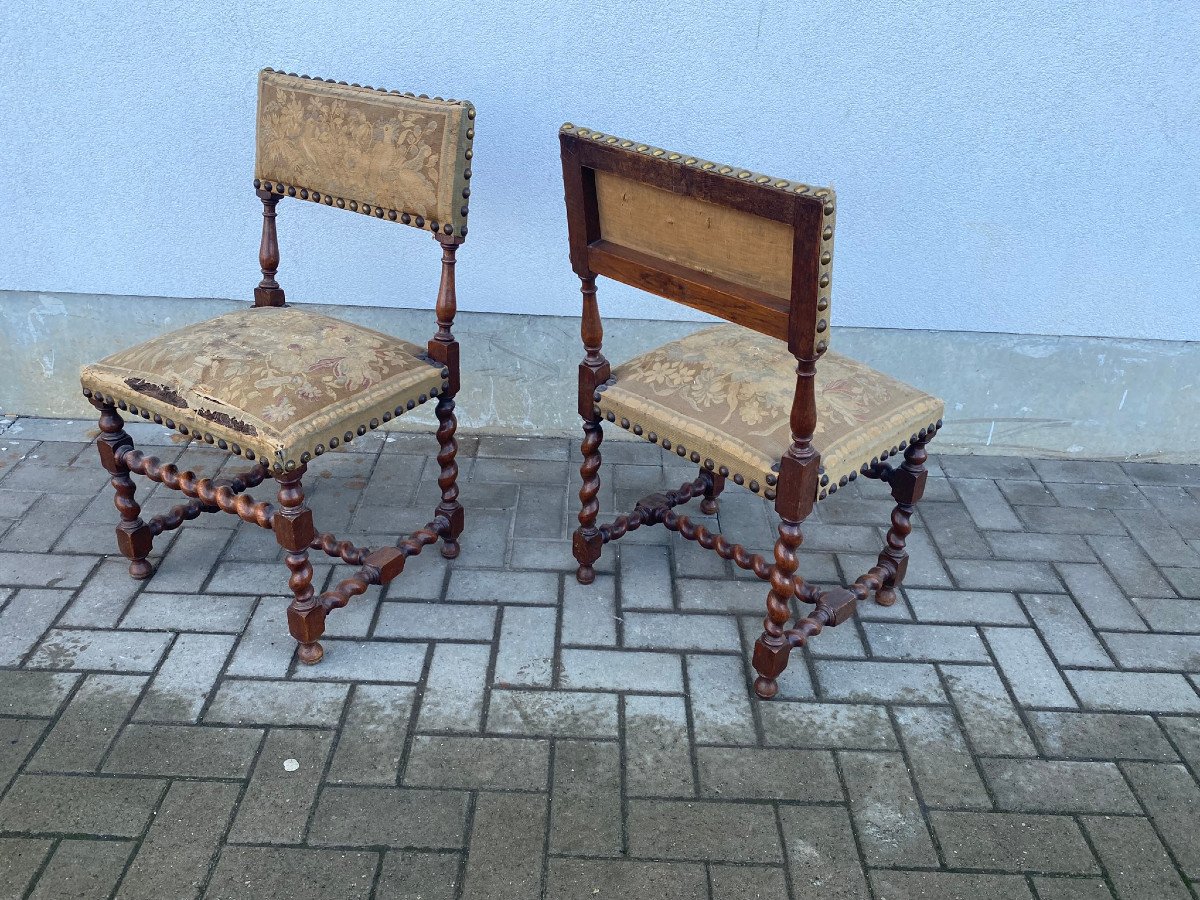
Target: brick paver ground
point(1025, 722)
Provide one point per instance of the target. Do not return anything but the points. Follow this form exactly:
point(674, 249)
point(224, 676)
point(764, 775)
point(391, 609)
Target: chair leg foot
point(587, 542)
point(451, 549)
point(885, 596)
point(710, 507)
point(585, 574)
point(310, 653)
point(770, 659)
point(765, 688)
point(140, 569)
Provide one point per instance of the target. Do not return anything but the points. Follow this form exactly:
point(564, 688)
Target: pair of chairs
point(760, 401)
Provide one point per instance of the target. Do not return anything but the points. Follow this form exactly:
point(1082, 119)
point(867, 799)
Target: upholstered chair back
point(380, 153)
point(754, 250)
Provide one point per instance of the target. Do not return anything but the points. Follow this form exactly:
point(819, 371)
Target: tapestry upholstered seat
point(725, 393)
point(279, 385)
point(761, 401)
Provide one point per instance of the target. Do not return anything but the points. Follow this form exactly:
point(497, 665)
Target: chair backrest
point(382, 153)
point(754, 250)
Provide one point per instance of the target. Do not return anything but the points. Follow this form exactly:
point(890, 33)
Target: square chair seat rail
point(281, 386)
point(761, 401)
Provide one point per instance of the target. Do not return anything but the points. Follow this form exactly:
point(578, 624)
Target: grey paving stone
point(879, 682)
point(1056, 786)
point(1173, 614)
point(1098, 496)
point(1066, 520)
point(120, 651)
point(678, 631)
point(973, 607)
point(755, 773)
point(104, 598)
point(71, 804)
point(1065, 631)
point(695, 830)
point(1089, 735)
point(925, 570)
point(186, 566)
point(185, 679)
point(1105, 605)
point(454, 691)
point(621, 670)
point(478, 586)
point(1017, 842)
point(1185, 732)
point(987, 712)
point(986, 505)
point(838, 643)
point(942, 643)
point(1155, 534)
point(827, 726)
point(280, 873)
point(1134, 691)
point(1032, 493)
point(1180, 652)
point(821, 852)
point(966, 466)
point(586, 798)
point(718, 699)
point(266, 649)
point(581, 714)
point(939, 759)
point(1170, 796)
point(434, 621)
point(569, 878)
point(408, 875)
point(953, 530)
point(1162, 473)
point(17, 738)
point(1131, 568)
point(731, 882)
point(478, 763)
point(352, 660)
point(393, 817)
point(1031, 673)
point(176, 612)
point(87, 727)
point(372, 740)
point(175, 856)
point(883, 805)
point(657, 761)
point(507, 845)
point(423, 579)
point(232, 577)
point(23, 620)
point(1003, 575)
point(525, 655)
point(589, 616)
point(277, 802)
point(187, 751)
point(82, 870)
point(554, 555)
point(933, 885)
point(1066, 888)
point(277, 703)
point(723, 595)
point(1134, 858)
point(1185, 581)
point(20, 860)
point(25, 693)
point(1049, 547)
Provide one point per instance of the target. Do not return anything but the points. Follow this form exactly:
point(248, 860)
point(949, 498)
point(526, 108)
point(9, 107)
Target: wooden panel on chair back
point(754, 250)
point(381, 153)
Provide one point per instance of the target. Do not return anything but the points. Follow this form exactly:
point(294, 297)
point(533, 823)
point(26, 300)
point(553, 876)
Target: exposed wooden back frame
point(754, 250)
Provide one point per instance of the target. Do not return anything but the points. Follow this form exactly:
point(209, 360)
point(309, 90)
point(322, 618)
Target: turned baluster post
point(444, 348)
point(268, 292)
point(587, 542)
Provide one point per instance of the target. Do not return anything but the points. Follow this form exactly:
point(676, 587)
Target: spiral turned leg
point(772, 648)
point(716, 483)
point(134, 537)
point(908, 486)
point(294, 530)
point(587, 541)
point(450, 508)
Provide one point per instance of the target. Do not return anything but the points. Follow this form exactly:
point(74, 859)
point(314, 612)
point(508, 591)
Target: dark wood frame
point(292, 520)
point(796, 320)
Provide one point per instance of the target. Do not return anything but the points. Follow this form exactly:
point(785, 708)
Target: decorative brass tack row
point(281, 188)
point(367, 208)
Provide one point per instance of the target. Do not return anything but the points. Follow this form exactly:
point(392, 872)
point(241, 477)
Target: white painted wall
point(1026, 166)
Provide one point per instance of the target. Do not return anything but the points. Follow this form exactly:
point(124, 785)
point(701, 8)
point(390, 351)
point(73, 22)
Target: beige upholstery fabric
point(383, 151)
point(273, 383)
point(725, 393)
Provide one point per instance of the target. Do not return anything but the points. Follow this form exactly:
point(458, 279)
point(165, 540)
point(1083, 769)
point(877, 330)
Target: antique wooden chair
point(745, 401)
point(279, 385)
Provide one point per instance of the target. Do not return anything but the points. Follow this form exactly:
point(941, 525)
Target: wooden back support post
point(753, 250)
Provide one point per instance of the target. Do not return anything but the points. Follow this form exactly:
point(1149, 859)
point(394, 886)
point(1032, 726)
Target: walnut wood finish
point(290, 519)
point(756, 252)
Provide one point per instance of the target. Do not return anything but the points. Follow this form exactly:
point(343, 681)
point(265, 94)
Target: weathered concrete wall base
point(1020, 394)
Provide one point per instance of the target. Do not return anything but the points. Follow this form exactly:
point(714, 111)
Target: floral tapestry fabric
point(378, 148)
point(726, 392)
point(274, 380)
